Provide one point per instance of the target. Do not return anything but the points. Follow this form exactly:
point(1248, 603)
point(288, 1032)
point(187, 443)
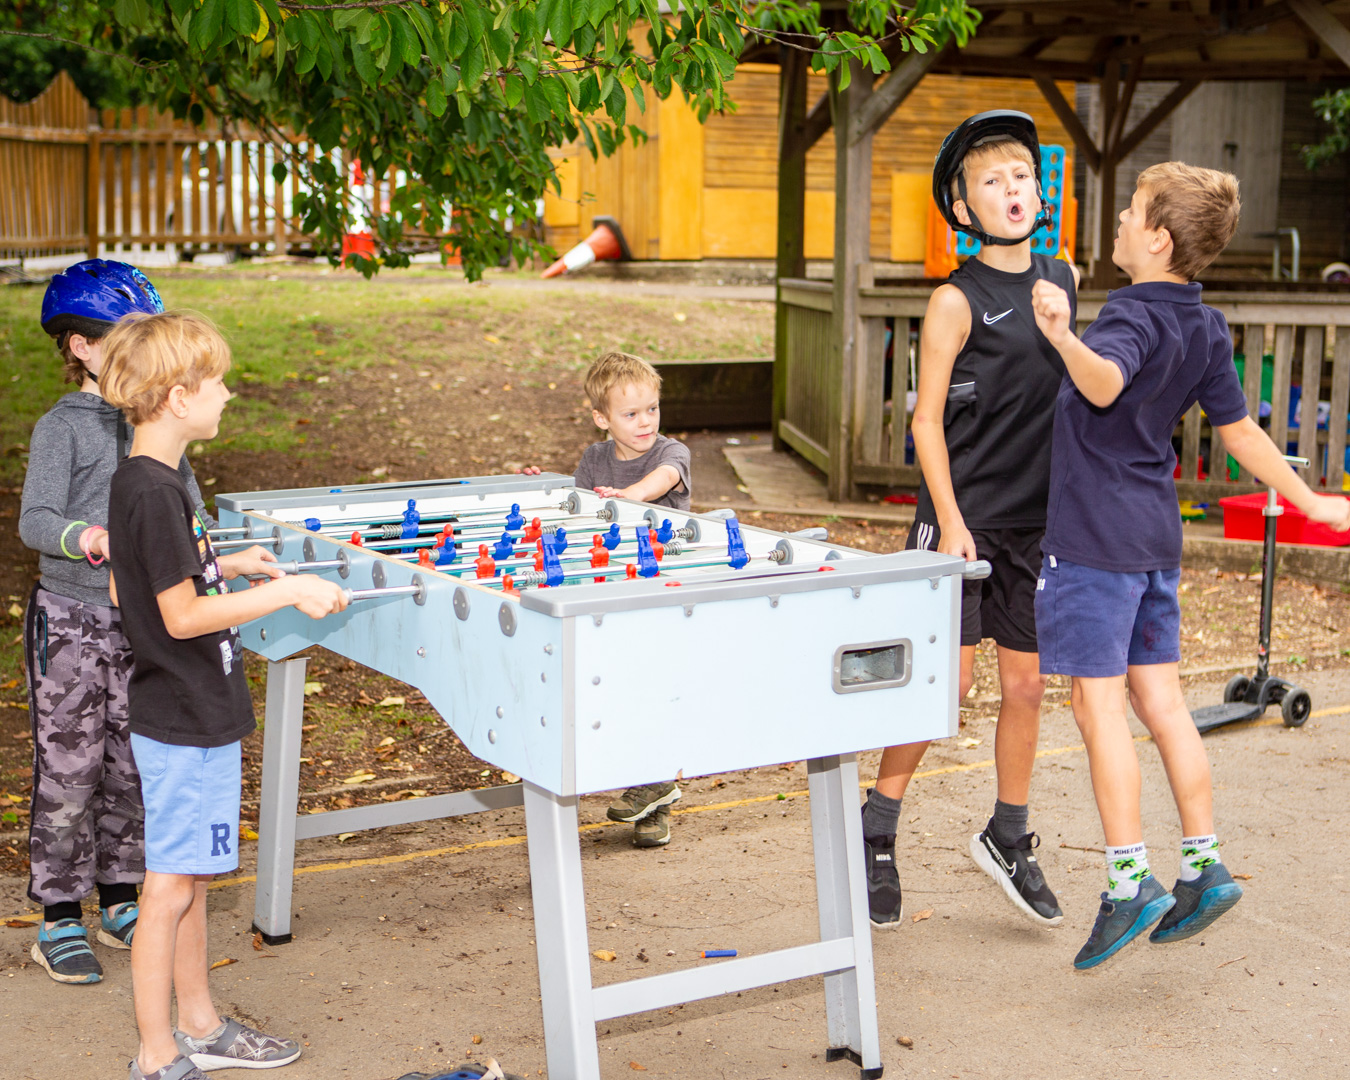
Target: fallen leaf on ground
point(9, 685)
point(15, 612)
point(969, 744)
point(247, 833)
point(343, 837)
point(605, 955)
point(312, 688)
point(926, 913)
point(905, 1040)
point(510, 778)
point(389, 702)
point(1243, 877)
point(478, 1040)
point(636, 1067)
point(388, 740)
point(258, 941)
point(226, 962)
point(22, 923)
point(359, 778)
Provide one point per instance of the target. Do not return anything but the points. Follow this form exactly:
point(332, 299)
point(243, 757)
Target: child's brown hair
point(617, 369)
point(72, 367)
point(1198, 207)
point(146, 356)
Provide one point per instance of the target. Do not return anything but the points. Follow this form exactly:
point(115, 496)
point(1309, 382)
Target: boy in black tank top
point(988, 379)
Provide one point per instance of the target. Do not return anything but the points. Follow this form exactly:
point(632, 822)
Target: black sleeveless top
point(1001, 401)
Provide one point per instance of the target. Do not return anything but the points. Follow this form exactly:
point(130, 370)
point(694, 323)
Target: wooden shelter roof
point(1169, 39)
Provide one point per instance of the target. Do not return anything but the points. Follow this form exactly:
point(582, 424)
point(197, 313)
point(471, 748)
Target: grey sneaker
point(885, 901)
point(180, 1068)
point(654, 829)
point(637, 802)
point(64, 951)
point(1199, 903)
point(1121, 921)
point(236, 1046)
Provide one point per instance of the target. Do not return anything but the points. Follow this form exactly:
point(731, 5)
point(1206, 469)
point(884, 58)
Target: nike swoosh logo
point(989, 321)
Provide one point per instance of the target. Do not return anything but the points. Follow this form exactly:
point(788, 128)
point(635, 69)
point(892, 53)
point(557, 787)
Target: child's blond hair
point(999, 148)
point(146, 356)
point(1198, 207)
point(617, 369)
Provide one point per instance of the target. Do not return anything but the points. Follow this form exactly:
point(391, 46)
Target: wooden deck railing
point(1299, 332)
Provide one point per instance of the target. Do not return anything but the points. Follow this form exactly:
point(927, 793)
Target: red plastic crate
point(1243, 520)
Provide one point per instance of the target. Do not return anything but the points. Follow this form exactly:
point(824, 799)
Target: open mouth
point(1015, 212)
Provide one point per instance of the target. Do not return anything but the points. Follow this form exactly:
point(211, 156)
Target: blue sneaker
point(119, 924)
point(64, 951)
point(1121, 921)
point(1199, 903)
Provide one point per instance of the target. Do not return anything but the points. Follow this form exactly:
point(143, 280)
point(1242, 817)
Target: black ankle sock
point(70, 909)
point(120, 892)
point(1009, 822)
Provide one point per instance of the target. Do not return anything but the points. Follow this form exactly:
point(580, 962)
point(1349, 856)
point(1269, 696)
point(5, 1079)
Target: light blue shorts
point(191, 806)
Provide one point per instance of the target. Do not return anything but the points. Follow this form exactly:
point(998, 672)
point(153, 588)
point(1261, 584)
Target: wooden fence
point(135, 180)
point(1306, 337)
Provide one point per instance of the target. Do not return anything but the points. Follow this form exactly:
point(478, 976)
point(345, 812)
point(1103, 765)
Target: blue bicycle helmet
point(89, 297)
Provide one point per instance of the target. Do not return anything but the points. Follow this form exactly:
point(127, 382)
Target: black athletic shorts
point(1003, 605)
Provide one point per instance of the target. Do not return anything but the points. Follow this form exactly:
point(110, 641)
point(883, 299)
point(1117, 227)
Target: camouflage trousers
point(88, 821)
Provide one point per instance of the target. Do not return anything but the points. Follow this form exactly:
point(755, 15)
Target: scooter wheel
point(1297, 707)
point(1237, 688)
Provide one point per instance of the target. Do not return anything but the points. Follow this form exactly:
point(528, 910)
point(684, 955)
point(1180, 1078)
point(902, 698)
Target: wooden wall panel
point(731, 214)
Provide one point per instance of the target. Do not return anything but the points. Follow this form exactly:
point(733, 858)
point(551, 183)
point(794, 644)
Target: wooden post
point(791, 211)
point(92, 163)
point(1102, 272)
point(852, 244)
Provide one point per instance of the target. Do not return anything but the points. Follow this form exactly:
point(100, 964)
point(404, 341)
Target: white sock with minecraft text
point(1197, 854)
point(1126, 867)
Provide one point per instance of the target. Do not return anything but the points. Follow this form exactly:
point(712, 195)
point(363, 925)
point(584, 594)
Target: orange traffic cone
point(606, 242)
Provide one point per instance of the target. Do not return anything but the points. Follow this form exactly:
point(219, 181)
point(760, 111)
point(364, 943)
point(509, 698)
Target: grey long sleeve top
point(72, 455)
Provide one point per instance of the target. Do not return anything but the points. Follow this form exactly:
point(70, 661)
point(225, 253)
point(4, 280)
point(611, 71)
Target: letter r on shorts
point(220, 839)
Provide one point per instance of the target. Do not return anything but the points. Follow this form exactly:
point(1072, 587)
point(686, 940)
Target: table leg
point(841, 893)
point(560, 933)
point(278, 799)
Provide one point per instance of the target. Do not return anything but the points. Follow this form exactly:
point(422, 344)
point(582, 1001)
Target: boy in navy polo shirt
point(1106, 602)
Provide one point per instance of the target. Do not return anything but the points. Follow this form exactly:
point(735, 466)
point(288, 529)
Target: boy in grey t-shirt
point(636, 463)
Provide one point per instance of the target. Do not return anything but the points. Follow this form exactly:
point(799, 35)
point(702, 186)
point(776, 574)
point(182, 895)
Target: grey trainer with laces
point(237, 1046)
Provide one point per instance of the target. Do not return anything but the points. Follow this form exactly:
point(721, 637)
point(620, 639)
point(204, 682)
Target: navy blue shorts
point(1096, 623)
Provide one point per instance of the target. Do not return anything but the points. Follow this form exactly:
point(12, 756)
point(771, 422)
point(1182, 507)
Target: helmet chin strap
point(1000, 241)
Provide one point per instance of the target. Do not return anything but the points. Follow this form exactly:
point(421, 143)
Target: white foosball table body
point(591, 686)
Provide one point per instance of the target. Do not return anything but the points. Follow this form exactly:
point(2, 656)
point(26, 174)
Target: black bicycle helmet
point(947, 167)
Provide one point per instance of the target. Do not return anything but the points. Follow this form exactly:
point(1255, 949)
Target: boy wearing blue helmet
point(982, 425)
point(87, 826)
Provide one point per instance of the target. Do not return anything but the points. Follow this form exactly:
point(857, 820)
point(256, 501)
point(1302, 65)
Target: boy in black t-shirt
point(1106, 603)
point(982, 424)
point(189, 702)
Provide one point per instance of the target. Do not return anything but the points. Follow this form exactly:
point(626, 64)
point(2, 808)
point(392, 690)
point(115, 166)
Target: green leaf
point(242, 16)
point(465, 105)
point(436, 99)
point(560, 23)
point(471, 67)
point(542, 11)
point(459, 37)
point(513, 89)
point(280, 172)
point(364, 64)
point(206, 23)
point(556, 95)
point(131, 13)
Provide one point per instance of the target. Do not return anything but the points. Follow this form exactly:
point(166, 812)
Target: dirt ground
point(403, 936)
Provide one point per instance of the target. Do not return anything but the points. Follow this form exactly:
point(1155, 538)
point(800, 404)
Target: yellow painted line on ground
point(514, 841)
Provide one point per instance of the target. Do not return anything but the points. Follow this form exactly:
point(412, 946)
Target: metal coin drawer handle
point(872, 665)
point(977, 569)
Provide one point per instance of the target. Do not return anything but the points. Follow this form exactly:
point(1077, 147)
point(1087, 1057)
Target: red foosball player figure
point(599, 554)
point(487, 565)
point(356, 539)
point(533, 531)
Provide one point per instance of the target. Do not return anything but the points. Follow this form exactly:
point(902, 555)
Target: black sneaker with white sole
point(884, 899)
point(1018, 874)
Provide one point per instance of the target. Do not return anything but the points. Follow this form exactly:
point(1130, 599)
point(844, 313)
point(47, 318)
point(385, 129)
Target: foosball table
point(589, 644)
